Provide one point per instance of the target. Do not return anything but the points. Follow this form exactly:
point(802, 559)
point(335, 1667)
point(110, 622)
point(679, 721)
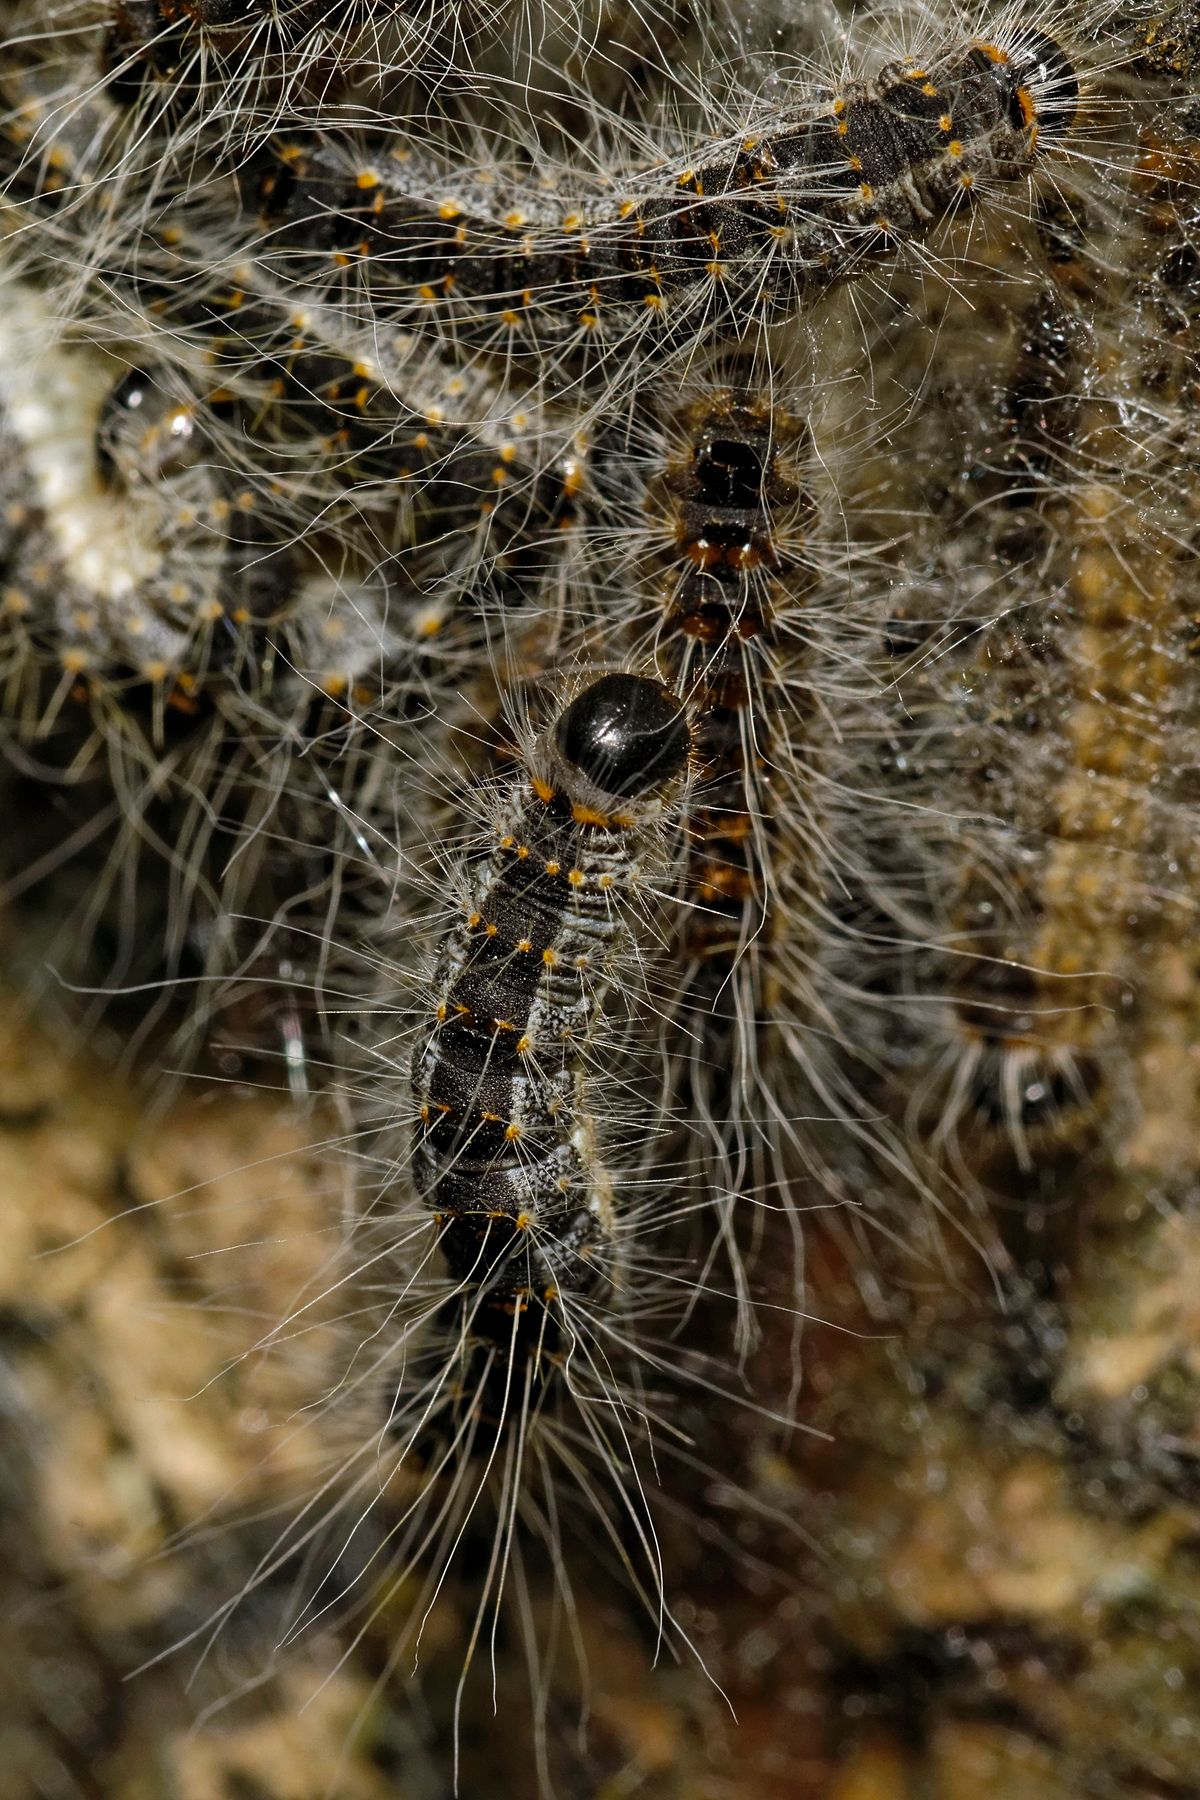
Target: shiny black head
point(1042, 66)
point(128, 403)
point(625, 734)
point(143, 434)
point(729, 471)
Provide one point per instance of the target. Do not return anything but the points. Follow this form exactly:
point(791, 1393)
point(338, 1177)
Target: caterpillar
point(738, 506)
point(953, 651)
point(503, 1147)
point(1081, 675)
point(507, 1335)
point(750, 232)
point(144, 583)
point(731, 563)
point(505, 483)
point(291, 48)
point(171, 614)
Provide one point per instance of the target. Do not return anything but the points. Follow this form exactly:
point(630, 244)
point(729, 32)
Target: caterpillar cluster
point(348, 399)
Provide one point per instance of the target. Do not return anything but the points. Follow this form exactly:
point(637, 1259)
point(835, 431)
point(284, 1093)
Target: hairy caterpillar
point(750, 232)
point(192, 493)
point(504, 1143)
point(1077, 678)
point(1124, 670)
point(512, 1342)
point(738, 506)
point(160, 639)
point(288, 43)
point(730, 563)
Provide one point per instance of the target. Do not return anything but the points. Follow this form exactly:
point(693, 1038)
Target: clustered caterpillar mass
point(635, 597)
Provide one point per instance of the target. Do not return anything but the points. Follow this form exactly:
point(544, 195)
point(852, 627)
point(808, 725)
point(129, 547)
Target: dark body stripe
point(502, 1151)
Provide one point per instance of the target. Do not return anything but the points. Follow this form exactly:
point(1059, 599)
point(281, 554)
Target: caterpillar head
point(624, 738)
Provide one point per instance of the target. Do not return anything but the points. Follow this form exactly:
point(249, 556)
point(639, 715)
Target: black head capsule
point(1045, 71)
point(144, 435)
point(729, 471)
point(129, 403)
point(626, 735)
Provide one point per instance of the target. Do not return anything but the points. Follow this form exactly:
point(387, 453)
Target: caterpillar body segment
point(739, 512)
point(766, 617)
point(160, 514)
